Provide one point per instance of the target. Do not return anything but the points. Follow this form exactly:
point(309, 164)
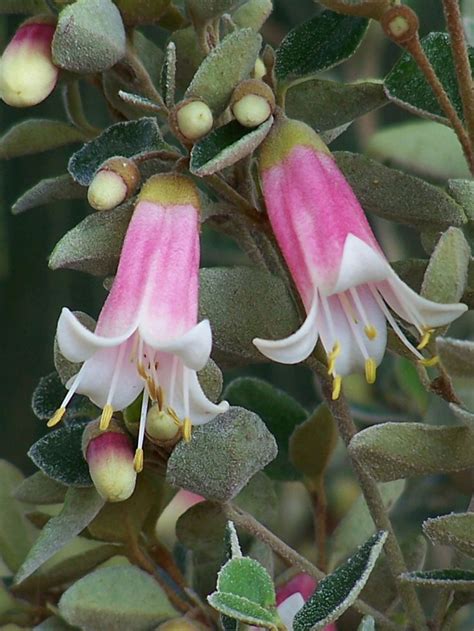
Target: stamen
point(425, 340)
point(160, 397)
point(428, 362)
point(56, 418)
point(336, 387)
point(138, 460)
point(143, 413)
point(416, 319)
point(370, 331)
point(332, 356)
point(344, 300)
point(173, 415)
point(106, 416)
point(187, 428)
point(370, 370)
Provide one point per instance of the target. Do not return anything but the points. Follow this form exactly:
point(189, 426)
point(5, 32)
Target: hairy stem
point(75, 111)
point(247, 522)
point(453, 17)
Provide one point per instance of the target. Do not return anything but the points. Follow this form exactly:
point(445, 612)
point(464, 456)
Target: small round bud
point(252, 102)
point(259, 70)
point(400, 24)
point(109, 455)
point(27, 73)
point(364, 8)
point(160, 425)
point(114, 182)
point(194, 119)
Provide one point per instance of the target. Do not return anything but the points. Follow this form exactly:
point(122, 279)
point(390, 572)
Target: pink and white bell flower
point(147, 338)
point(346, 284)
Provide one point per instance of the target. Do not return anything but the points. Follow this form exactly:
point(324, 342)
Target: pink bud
point(110, 459)
point(27, 73)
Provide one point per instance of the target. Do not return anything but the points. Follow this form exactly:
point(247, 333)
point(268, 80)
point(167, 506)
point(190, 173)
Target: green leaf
point(399, 197)
point(211, 380)
point(36, 135)
point(446, 275)
point(463, 192)
point(39, 489)
point(324, 104)
point(456, 529)
point(188, 56)
point(80, 507)
point(59, 454)
point(204, 10)
point(318, 44)
point(142, 11)
point(357, 525)
point(15, 533)
point(222, 456)
point(47, 191)
point(457, 356)
point(94, 245)
point(54, 623)
point(391, 451)
point(243, 609)
point(22, 6)
point(240, 304)
point(130, 139)
point(219, 73)
point(415, 147)
point(49, 394)
point(463, 415)
point(140, 102)
point(116, 598)
point(225, 146)
point(312, 444)
point(338, 591)
point(455, 579)
point(406, 85)
point(89, 37)
point(280, 413)
point(253, 14)
point(168, 75)
point(245, 577)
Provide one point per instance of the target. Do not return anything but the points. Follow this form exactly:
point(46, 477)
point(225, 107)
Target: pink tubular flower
point(147, 337)
point(27, 73)
point(346, 284)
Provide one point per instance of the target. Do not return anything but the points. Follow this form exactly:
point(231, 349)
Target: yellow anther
point(57, 416)
point(187, 427)
point(429, 361)
point(173, 415)
point(336, 387)
point(138, 460)
point(370, 370)
point(105, 417)
point(332, 356)
point(370, 331)
point(425, 340)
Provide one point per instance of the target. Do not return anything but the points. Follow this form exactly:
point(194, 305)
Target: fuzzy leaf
point(59, 454)
point(457, 356)
point(456, 529)
point(455, 579)
point(22, 6)
point(312, 444)
point(463, 192)
point(219, 73)
point(54, 623)
point(80, 507)
point(396, 196)
point(414, 146)
point(222, 456)
point(243, 609)
point(36, 135)
point(89, 37)
point(280, 413)
point(142, 11)
point(204, 10)
point(406, 85)
point(339, 590)
point(225, 146)
point(116, 598)
point(94, 245)
point(168, 75)
point(463, 415)
point(318, 44)
point(324, 104)
point(357, 525)
point(39, 489)
point(392, 451)
point(246, 578)
point(240, 303)
point(253, 14)
point(47, 191)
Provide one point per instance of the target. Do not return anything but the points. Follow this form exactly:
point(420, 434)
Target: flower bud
point(260, 69)
point(400, 24)
point(252, 102)
point(193, 119)
point(160, 425)
point(364, 8)
point(115, 181)
point(27, 73)
point(109, 455)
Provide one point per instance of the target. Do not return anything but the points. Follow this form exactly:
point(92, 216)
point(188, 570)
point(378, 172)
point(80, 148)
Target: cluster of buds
point(27, 73)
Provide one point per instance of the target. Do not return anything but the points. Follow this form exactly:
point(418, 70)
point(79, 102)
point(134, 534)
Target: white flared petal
point(194, 347)
point(296, 347)
point(403, 300)
point(288, 609)
point(97, 374)
point(360, 264)
point(201, 410)
point(77, 343)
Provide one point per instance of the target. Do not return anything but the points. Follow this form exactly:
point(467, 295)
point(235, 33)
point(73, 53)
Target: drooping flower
point(346, 284)
point(147, 337)
point(27, 72)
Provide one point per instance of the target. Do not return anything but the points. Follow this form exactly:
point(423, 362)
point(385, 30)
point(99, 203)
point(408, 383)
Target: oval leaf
point(47, 191)
point(455, 530)
point(457, 356)
point(246, 578)
point(455, 579)
point(243, 609)
point(39, 489)
point(36, 135)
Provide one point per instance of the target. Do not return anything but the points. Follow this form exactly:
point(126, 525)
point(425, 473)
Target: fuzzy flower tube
point(346, 284)
point(147, 338)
